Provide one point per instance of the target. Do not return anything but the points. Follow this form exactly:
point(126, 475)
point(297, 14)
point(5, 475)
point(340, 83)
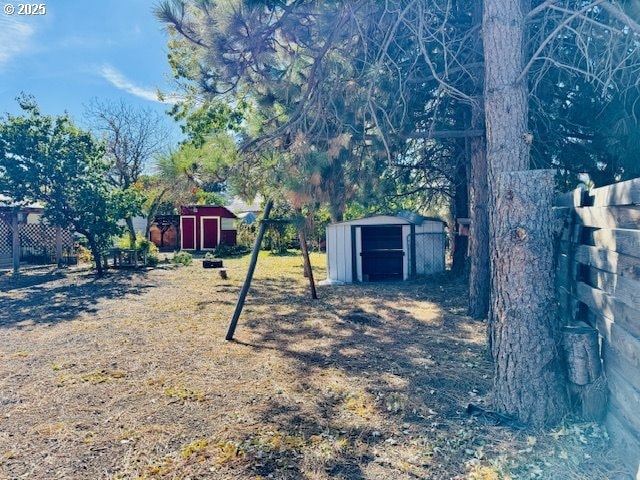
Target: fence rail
point(598, 283)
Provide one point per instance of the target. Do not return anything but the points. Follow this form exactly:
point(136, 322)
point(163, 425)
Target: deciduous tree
point(132, 137)
point(49, 159)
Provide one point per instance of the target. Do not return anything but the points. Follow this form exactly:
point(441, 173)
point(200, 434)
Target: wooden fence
point(598, 282)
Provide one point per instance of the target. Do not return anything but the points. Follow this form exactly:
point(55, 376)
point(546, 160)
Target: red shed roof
point(209, 209)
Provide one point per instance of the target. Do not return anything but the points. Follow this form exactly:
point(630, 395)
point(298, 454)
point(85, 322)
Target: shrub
point(182, 258)
point(230, 251)
point(246, 233)
point(84, 254)
point(279, 237)
point(144, 245)
point(150, 249)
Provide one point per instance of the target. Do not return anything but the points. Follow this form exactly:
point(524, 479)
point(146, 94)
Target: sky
point(82, 50)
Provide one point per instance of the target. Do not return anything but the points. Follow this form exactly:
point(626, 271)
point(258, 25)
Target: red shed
point(204, 227)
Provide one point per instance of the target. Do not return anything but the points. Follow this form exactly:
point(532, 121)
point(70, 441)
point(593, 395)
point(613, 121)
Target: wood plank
point(574, 198)
point(562, 270)
point(564, 245)
point(622, 193)
point(627, 445)
point(618, 338)
point(563, 305)
point(625, 241)
point(608, 261)
point(625, 289)
point(610, 217)
point(576, 233)
point(623, 400)
point(610, 307)
point(625, 368)
point(562, 213)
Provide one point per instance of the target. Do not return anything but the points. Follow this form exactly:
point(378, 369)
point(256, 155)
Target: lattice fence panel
point(5, 239)
point(36, 236)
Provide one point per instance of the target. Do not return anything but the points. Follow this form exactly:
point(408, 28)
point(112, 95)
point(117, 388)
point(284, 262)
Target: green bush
point(230, 251)
point(182, 258)
point(84, 254)
point(143, 245)
point(151, 250)
point(279, 237)
point(246, 233)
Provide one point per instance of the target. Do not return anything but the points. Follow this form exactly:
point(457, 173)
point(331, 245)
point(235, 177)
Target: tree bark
point(95, 250)
point(529, 381)
point(131, 231)
point(479, 275)
point(153, 209)
point(522, 326)
point(505, 110)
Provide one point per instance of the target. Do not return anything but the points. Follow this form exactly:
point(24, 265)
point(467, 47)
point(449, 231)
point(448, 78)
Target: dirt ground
point(129, 377)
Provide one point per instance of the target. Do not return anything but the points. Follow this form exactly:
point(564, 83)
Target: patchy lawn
point(129, 377)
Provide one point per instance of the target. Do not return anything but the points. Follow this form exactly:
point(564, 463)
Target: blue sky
point(80, 50)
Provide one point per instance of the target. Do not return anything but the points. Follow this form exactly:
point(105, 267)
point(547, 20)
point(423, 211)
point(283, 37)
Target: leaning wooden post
point(307, 261)
point(15, 241)
point(252, 267)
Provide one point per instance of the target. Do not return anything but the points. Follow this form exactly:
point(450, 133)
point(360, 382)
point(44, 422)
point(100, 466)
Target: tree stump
point(582, 353)
point(588, 385)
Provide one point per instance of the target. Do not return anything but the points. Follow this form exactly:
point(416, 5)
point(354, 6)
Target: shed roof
point(195, 208)
point(402, 218)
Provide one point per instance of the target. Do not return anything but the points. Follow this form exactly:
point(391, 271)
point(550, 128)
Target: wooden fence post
point(59, 246)
point(249, 277)
point(15, 240)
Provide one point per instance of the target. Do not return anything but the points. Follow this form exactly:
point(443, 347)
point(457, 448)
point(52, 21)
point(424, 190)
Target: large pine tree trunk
point(479, 276)
point(528, 379)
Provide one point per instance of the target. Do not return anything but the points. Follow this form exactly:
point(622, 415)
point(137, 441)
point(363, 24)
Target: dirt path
point(129, 377)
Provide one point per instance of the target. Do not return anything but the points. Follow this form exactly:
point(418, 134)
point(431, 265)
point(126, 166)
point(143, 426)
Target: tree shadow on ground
point(401, 372)
point(46, 297)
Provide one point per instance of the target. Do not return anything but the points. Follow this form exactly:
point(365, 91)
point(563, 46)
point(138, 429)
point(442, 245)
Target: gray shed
point(384, 247)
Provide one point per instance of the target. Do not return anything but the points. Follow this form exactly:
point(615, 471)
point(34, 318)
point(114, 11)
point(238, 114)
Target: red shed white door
point(209, 232)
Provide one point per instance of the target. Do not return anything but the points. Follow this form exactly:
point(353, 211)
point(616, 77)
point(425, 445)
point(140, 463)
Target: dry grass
point(128, 377)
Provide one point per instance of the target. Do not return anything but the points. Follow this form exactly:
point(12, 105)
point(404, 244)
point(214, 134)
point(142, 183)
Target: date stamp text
point(25, 9)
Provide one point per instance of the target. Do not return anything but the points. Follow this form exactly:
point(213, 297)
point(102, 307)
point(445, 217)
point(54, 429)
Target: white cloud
point(118, 80)
point(14, 38)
